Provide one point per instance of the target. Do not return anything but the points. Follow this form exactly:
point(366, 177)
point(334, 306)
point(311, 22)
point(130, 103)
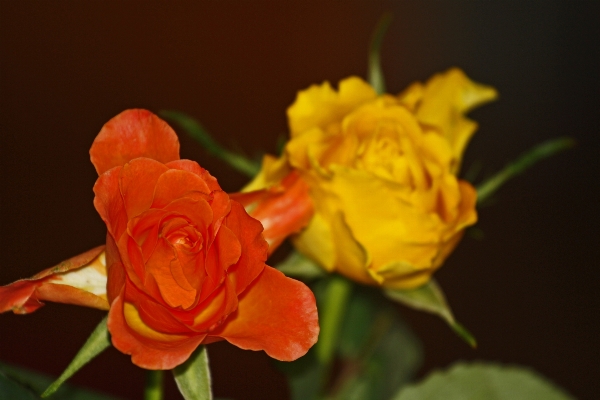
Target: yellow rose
point(382, 172)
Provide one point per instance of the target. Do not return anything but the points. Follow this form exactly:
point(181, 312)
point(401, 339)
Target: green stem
point(154, 385)
point(539, 152)
point(332, 315)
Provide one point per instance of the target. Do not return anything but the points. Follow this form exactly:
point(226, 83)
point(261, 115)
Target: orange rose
point(185, 264)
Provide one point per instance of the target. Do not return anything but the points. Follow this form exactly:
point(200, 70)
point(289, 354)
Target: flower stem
point(154, 385)
point(332, 315)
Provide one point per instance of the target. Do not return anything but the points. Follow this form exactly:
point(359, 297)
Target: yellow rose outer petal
point(135, 322)
point(391, 228)
point(446, 98)
point(316, 242)
point(320, 105)
point(272, 172)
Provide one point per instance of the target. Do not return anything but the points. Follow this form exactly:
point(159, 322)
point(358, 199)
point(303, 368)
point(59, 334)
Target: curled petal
point(109, 202)
point(148, 348)
point(253, 253)
point(137, 183)
point(192, 166)
point(283, 209)
point(132, 134)
point(275, 314)
point(81, 280)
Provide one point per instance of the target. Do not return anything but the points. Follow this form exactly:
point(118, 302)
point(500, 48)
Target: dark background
point(528, 290)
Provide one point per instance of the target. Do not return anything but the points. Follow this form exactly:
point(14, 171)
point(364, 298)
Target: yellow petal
point(320, 105)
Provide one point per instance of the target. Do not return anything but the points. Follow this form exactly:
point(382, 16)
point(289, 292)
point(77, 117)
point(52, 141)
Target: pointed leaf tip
point(430, 298)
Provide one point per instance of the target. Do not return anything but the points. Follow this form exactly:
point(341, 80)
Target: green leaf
point(379, 352)
point(539, 152)
point(97, 342)
point(305, 376)
point(298, 266)
point(479, 381)
point(193, 376)
point(431, 299)
point(375, 73)
point(12, 390)
point(21, 383)
point(196, 130)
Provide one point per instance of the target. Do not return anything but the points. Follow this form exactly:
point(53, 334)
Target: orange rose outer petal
point(167, 353)
point(26, 295)
point(276, 314)
point(283, 209)
point(132, 134)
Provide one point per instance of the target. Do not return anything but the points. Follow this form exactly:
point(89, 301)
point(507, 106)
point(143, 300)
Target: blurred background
point(529, 290)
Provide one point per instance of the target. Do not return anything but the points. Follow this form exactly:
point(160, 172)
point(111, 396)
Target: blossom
point(381, 170)
point(185, 263)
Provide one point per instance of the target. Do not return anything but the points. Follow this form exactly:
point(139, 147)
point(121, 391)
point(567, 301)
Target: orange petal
point(80, 280)
point(115, 271)
point(137, 182)
point(275, 314)
point(253, 247)
point(283, 209)
point(194, 167)
point(175, 184)
point(155, 351)
point(109, 202)
point(132, 134)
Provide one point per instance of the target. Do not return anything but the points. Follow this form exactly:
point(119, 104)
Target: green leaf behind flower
point(431, 299)
point(483, 381)
point(375, 352)
point(378, 352)
point(301, 267)
point(193, 376)
point(20, 383)
point(97, 342)
point(196, 130)
point(538, 153)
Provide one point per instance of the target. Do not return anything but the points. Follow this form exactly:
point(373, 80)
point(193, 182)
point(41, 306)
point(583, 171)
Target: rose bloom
point(381, 170)
point(184, 264)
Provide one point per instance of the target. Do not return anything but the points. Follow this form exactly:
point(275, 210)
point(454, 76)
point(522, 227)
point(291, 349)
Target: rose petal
point(282, 210)
point(80, 280)
point(194, 167)
point(254, 247)
point(158, 351)
point(132, 134)
point(109, 202)
point(175, 184)
point(137, 182)
point(275, 314)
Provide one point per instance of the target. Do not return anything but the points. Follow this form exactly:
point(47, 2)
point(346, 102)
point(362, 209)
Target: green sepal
point(196, 130)
point(98, 341)
point(483, 381)
point(538, 153)
point(299, 266)
point(375, 72)
point(193, 376)
point(431, 299)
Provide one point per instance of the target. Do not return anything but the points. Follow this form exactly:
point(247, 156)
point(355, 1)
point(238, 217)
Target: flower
point(382, 172)
point(80, 280)
point(185, 263)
